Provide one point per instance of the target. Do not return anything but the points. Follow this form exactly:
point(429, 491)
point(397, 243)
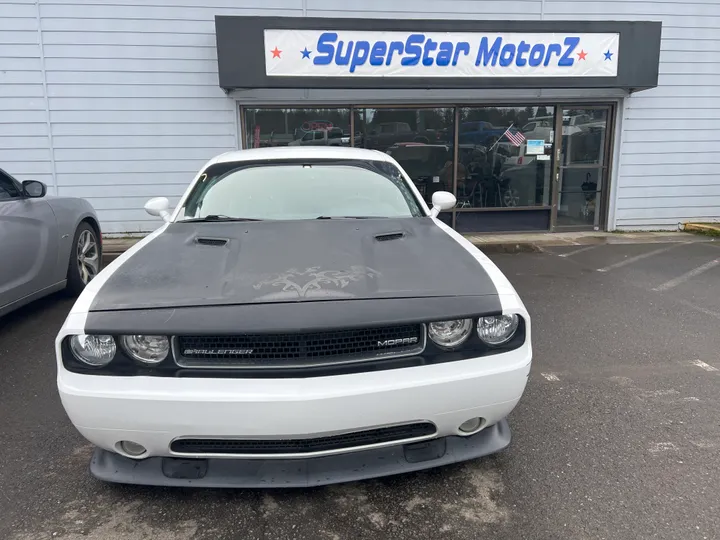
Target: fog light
point(471, 425)
point(132, 448)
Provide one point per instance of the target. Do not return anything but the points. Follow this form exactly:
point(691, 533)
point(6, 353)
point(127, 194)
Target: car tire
point(85, 259)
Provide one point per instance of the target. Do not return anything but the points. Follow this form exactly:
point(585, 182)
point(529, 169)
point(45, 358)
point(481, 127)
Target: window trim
point(16, 184)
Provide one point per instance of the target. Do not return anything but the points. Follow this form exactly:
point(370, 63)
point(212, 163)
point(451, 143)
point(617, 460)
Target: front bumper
point(287, 473)
point(154, 411)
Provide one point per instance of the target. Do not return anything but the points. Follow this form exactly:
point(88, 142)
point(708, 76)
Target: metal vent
point(389, 236)
point(344, 441)
point(212, 241)
point(300, 349)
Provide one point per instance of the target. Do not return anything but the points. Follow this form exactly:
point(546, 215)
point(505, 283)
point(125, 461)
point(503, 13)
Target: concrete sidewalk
point(505, 243)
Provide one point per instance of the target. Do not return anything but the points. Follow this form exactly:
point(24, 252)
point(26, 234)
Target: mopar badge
point(231, 352)
point(399, 341)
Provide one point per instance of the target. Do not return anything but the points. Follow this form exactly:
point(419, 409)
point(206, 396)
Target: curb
point(508, 247)
point(702, 228)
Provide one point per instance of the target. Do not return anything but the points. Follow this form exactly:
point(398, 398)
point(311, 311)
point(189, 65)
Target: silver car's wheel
point(85, 258)
point(88, 257)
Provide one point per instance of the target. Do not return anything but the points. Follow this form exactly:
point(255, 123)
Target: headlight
point(449, 334)
point(147, 349)
point(94, 350)
point(498, 329)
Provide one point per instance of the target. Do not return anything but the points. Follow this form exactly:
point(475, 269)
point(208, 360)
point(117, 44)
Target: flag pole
point(500, 137)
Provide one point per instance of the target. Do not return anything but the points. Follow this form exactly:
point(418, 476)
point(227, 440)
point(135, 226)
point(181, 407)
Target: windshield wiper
point(350, 217)
point(217, 217)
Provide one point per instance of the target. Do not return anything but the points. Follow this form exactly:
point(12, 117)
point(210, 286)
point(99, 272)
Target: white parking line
point(550, 376)
point(703, 365)
point(586, 248)
point(636, 258)
point(687, 275)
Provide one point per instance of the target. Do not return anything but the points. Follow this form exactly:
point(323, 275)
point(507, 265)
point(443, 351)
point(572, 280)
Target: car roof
point(300, 152)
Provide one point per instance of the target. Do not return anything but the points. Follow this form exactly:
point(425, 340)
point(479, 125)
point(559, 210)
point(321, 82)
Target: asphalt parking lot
point(617, 436)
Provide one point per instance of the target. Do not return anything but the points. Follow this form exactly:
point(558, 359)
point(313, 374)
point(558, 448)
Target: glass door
point(583, 159)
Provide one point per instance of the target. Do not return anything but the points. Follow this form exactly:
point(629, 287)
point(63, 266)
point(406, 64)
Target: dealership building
point(540, 115)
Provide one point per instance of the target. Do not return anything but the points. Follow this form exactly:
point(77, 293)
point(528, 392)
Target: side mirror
point(158, 206)
point(441, 201)
point(34, 189)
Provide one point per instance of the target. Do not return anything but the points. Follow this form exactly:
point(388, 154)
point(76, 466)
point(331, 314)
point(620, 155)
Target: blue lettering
point(325, 49)
point(430, 46)
point(362, 48)
point(552, 48)
point(341, 60)
point(461, 47)
point(377, 54)
point(570, 43)
point(522, 49)
point(395, 46)
point(536, 55)
point(486, 55)
point(412, 47)
point(507, 55)
point(444, 53)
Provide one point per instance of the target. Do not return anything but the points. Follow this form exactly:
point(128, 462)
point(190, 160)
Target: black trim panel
point(291, 317)
point(123, 366)
point(241, 61)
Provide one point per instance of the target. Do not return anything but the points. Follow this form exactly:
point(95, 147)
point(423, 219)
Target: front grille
point(304, 446)
point(299, 349)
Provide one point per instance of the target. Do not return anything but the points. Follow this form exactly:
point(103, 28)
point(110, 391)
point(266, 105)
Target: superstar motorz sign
point(355, 53)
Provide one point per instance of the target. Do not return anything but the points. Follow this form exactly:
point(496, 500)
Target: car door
point(28, 242)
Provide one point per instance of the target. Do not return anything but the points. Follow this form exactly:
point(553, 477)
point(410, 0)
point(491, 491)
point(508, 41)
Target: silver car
point(46, 243)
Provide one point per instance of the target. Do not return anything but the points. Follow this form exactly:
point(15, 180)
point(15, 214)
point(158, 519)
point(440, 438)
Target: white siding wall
point(24, 142)
point(135, 107)
point(669, 166)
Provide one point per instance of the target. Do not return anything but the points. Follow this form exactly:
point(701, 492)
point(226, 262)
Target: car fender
point(69, 213)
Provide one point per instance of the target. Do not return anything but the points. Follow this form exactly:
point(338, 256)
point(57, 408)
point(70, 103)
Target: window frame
point(14, 183)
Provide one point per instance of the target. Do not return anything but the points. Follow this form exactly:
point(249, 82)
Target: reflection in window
point(505, 156)
point(583, 136)
point(421, 140)
point(297, 127)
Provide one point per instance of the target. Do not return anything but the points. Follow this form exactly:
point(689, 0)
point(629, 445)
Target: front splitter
point(286, 473)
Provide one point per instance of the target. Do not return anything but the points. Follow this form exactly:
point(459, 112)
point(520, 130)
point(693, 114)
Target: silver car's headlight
point(497, 329)
point(95, 350)
point(449, 334)
point(146, 349)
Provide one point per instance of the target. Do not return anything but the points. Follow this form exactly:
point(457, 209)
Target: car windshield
point(292, 191)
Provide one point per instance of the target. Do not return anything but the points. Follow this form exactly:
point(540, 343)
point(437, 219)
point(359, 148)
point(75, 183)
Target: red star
point(582, 54)
point(276, 52)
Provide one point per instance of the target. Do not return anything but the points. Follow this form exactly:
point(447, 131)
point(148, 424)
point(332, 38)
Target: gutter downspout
point(43, 72)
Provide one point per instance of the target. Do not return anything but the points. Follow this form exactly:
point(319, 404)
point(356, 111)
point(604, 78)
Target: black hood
point(230, 263)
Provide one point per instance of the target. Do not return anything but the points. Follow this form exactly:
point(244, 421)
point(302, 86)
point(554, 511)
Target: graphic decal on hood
point(314, 282)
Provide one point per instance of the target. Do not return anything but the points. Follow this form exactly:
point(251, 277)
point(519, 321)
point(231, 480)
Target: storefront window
point(297, 127)
point(421, 140)
point(505, 156)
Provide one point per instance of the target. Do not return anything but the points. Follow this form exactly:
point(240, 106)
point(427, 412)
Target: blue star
point(306, 53)
point(608, 55)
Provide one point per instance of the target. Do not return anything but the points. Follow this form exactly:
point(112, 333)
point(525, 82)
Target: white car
point(301, 318)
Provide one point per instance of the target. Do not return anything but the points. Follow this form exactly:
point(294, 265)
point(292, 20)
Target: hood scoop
point(206, 241)
point(386, 237)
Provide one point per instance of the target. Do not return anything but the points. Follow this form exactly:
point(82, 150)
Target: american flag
point(516, 137)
